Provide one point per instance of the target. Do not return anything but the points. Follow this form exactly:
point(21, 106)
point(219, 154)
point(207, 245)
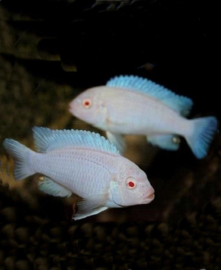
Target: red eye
point(87, 103)
point(131, 182)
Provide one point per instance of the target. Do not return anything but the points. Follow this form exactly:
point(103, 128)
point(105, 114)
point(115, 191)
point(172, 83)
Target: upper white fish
point(133, 105)
point(83, 163)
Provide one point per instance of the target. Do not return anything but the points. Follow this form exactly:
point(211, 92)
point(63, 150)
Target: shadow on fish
point(134, 105)
point(83, 163)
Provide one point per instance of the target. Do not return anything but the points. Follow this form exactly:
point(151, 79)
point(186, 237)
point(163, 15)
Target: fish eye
point(87, 103)
point(131, 183)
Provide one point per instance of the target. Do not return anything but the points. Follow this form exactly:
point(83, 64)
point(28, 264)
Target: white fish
point(83, 163)
point(133, 105)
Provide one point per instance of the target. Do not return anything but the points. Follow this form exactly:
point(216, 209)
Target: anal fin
point(50, 187)
point(168, 141)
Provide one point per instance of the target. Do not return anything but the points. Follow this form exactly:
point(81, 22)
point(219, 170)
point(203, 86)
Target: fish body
point(82, 163)
point(133, 105)
point(125, 111)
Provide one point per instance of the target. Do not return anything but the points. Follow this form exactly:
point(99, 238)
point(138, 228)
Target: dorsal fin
point(178, 103)
point(47, 140)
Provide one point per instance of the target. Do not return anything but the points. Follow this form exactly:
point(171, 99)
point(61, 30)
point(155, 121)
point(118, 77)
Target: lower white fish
point(133, 105)
point(83, 163)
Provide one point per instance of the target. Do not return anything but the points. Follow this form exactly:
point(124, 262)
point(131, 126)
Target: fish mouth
point(71, 109)
point(150, 196)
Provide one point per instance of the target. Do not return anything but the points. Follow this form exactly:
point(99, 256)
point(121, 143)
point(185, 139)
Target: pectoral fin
point(90, 206)
point(117, 140)
point(50, 187)
point(168, 142)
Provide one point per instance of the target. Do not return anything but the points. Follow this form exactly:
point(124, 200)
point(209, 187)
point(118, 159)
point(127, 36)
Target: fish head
point(90, 107)
point(130, 186)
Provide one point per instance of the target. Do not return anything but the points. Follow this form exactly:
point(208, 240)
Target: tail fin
point(20, 154)
point(202, 135)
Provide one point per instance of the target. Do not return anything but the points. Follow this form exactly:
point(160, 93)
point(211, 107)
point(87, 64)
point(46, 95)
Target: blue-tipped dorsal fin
point(180, 104)
point(47, 140)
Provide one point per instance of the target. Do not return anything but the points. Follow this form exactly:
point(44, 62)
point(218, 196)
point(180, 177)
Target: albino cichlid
point(83, 163)
point(134, 105)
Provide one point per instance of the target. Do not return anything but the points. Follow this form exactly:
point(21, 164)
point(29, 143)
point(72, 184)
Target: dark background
point(52, 50)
